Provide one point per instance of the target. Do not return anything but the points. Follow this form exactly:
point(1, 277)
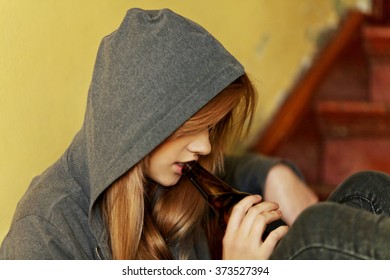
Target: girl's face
point(166, 161)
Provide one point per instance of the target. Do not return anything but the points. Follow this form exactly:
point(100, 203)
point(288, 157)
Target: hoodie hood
point(151, 75)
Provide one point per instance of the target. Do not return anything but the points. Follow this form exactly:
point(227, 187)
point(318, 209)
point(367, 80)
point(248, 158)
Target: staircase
point(336, 120)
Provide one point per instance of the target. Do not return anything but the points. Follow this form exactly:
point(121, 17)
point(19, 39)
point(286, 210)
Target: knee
point(369, 176)
point(327, 230)
point(373, 181)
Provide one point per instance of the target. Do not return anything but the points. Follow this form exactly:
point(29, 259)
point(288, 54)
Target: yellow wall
point(47, 51)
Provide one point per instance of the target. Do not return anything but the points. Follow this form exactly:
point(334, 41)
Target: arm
point(275, 179)
point(289, 191)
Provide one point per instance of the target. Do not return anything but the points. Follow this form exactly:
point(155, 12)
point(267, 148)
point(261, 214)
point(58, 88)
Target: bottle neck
point(191, 170)
point(207, 183)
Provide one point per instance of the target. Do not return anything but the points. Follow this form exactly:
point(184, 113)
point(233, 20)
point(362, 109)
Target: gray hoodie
point(151, 75)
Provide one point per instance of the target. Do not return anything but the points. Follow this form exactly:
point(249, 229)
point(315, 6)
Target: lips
point(179, 167)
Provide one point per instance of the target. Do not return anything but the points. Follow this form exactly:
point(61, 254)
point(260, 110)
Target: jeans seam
point(345, 199)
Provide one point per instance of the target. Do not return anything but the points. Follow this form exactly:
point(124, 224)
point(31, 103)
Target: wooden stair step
point(353, 118)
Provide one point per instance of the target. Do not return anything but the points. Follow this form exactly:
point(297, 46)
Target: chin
point(169, 183)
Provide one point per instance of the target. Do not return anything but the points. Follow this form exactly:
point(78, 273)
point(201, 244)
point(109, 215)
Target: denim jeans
point(353, 223)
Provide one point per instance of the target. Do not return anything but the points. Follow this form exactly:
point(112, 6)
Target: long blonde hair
point(145, 221)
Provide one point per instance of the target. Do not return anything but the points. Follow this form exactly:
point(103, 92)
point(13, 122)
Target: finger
point(239, 211)
point(272, 240)
point(254, 216)
point(260, 224)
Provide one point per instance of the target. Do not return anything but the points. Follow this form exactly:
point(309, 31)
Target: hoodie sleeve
point(249, 172)
point(34, 238)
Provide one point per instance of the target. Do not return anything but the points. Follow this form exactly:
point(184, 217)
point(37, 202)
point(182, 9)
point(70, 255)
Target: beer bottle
point(220, 196)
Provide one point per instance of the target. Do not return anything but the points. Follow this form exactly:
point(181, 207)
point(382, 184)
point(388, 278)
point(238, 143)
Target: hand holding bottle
point(246, 225)
point(252, 227)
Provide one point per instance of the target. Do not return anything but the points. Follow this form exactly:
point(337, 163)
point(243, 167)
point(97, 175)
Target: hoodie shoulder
point(51, 220)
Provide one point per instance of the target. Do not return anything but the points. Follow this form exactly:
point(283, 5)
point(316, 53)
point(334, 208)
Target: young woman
point(163, 92)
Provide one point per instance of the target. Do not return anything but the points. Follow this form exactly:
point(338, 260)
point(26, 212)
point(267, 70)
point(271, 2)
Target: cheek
point(161, 164)
point(161, 168)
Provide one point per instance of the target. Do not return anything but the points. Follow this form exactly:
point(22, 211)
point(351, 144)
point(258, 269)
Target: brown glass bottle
point(220, 196)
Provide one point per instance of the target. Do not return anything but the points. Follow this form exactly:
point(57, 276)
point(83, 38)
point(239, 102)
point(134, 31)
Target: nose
point(201, 143)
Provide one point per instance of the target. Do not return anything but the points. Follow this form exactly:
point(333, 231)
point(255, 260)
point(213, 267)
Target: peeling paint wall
point(289, 35)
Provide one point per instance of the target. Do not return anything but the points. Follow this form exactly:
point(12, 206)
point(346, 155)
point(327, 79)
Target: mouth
point(179, 166)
